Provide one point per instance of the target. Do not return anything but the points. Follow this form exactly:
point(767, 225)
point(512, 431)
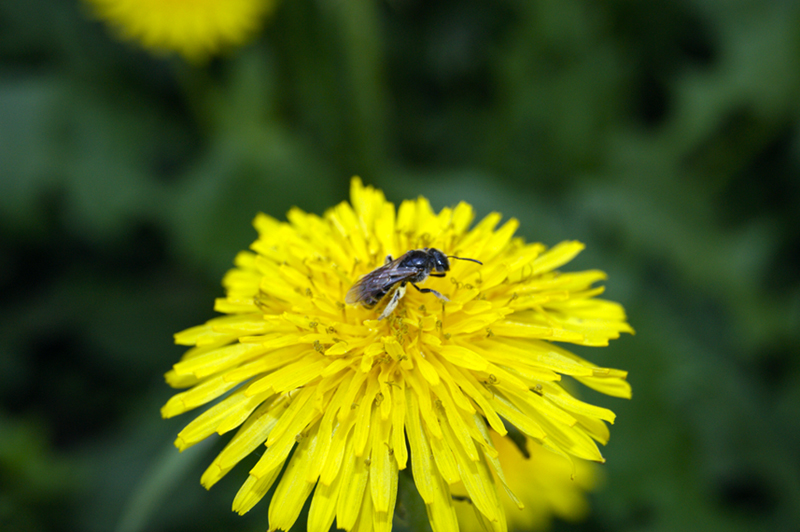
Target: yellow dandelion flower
point(194, 28)
point(545, 482)
point(356, 399)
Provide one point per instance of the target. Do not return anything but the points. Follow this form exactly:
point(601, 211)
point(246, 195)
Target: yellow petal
point(292, 490)
point(355, 472)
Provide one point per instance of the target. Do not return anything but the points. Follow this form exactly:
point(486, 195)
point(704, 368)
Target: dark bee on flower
point(411, 267)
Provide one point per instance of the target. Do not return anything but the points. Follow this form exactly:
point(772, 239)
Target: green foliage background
point(663, 134)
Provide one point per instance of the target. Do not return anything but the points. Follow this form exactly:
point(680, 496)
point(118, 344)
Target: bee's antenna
point(464, 258)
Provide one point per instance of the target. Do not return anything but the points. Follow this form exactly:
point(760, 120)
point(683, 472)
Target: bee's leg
point(430, 291)
point(437, 274)
point(397, 295)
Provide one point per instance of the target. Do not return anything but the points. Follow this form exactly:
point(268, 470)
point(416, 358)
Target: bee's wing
point(378, 281)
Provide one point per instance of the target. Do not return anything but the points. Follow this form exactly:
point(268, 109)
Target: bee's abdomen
point(374, 298)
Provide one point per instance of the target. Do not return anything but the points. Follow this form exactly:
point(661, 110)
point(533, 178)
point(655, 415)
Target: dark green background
point(663, 134)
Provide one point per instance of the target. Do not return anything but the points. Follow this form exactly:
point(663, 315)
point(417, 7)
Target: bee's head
point(440, 262)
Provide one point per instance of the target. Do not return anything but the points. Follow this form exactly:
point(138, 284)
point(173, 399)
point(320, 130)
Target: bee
point(411, 267)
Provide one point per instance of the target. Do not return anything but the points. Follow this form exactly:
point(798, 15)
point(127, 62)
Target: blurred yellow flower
point(545, 482)
point(300, 370)
point(194, 28)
